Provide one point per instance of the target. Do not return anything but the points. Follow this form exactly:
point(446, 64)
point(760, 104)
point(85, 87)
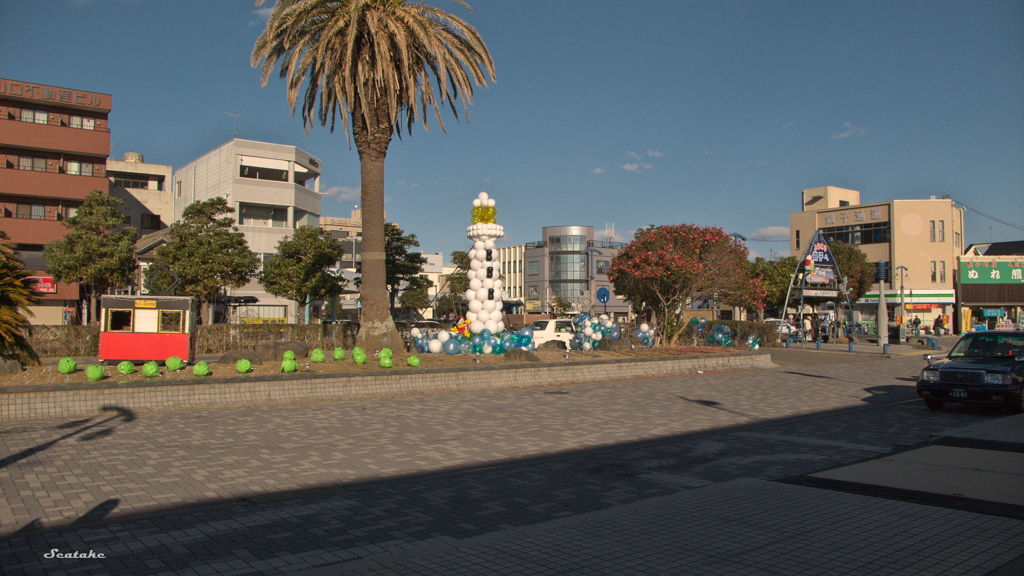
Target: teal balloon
point(451, 347)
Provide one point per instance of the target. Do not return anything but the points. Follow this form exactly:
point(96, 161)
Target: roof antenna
point(236, 117)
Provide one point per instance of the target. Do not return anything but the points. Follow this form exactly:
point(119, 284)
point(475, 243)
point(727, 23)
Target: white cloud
point(342, 193)
point(612, 233)
point(634, 155)
point(646, 166)
point(261, 15)
point(655, 153)
point(598, 170)
point(851, 130)
point(631, 167)
point(788, 125)
point(771, 233)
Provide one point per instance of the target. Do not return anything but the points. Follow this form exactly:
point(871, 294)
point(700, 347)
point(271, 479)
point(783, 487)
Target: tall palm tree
point(15, 298)
point(380, 65)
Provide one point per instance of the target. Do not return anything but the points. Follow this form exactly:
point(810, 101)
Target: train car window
point(119, 320)
point(172, 321)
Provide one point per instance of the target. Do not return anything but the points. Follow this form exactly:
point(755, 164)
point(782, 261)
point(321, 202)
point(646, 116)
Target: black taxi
point(982, 368)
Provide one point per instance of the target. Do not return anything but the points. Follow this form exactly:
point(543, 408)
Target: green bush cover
point(67, 365)
point(150, 369)
point(243, 366)
point(201, 369)
point(174, 364)
point(289, 355)
point(339, 353)
point(358, 356)
point(289, 365)
point(317, 355)
point(414, 361)
point(386, 353)
point(94, 373)
point(126, 367)
point(386, 362)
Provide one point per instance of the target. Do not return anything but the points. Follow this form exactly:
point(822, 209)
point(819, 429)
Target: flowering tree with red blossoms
point(667, 267)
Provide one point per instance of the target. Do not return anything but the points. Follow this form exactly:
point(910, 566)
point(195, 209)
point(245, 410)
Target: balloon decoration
point(484, 293)
point(721, 334)
point(645, 334)
point(591, 334)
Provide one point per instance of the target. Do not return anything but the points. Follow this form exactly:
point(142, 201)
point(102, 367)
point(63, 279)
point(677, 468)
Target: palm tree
point(15, 298)
point(379, 64)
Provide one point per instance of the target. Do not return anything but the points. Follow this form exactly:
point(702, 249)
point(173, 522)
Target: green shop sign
point(992, 272)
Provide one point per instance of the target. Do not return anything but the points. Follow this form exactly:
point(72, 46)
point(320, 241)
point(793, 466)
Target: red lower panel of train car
point(143, 347)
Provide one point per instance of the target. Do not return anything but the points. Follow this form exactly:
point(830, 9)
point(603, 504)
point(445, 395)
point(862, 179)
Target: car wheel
point(1017, 403)
point(934, 404)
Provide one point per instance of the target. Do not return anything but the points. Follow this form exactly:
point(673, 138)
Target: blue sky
point(634, 113)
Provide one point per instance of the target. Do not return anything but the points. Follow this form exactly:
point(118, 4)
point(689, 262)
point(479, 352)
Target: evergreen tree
point(305, 267)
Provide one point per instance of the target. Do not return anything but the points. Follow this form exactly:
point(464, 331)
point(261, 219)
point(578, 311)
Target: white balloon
point(587, 346)
point(498, 284)
point(489, 245)
point(488, 349)
point(490, 202)
point(470, 294)
point(603, 317)
point(470, 316)
point(482, 196)
point(483, 315)
point(481, 295)
point(443, 337)
point(492, 325)
point(415, 332)
point(476, 326)
point(475, 306)
point(588, 332)
point(490, 305)
point(479, 245)
point(475, 284)
point(645, 327)
point(598, 335)
point(434, 346)
point(486, 283)
point(475, 264)
point(476, 202)
point(501, 326)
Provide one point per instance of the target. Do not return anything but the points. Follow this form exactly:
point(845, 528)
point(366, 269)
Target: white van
point(545, 330)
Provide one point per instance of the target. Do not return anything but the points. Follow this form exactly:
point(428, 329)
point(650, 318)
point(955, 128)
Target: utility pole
point(883, 312)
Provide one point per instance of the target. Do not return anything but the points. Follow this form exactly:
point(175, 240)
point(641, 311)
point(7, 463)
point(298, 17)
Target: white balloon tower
point(484, 294)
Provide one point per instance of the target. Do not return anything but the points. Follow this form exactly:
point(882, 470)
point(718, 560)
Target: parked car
point(546, 330)
point(786, 330)
point(982, 368)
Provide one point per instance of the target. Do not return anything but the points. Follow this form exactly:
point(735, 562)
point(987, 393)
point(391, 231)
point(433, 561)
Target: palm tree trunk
point(376, 329)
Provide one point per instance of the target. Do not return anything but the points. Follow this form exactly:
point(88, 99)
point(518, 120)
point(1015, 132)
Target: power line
point(989, 216)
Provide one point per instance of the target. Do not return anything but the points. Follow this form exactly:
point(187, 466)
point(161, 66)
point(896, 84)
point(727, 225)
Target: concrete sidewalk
point(746, 526)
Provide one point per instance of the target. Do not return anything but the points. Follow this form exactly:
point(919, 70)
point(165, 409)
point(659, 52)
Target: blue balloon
point(477, 340)
point(526, 331)
point(451, 346)
point(485, 334)
point(493, 341)
point(465, 347)
point(574, 344)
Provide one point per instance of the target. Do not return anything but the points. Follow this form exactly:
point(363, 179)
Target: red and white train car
point(144, 328)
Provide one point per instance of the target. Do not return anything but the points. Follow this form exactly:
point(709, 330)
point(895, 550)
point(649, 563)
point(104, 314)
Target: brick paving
point(295, 487)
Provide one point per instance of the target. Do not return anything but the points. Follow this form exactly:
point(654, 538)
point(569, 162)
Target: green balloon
point(386, 353)
point(201, 369)
point(126, 367)
point(413, 361)
point(243, 366)
point(317, 355)
point(386, 362)
point(94, 373)
point(289, 366)
point(174, 364)
point(289, 355)
point(150, 369)
point(339, 353)
point(694, 321)
point(67, 365)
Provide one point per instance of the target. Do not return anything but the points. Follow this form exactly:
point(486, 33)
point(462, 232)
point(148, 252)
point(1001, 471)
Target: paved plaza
point(655, 476)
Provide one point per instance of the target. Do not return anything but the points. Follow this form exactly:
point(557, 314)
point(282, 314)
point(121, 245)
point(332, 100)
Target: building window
point(83, 122)
point(131, 183)
point(177, 188)
point(35, 116)
point(533, 268)
point(797, 240)
point(956, 239)
point(80, 168)
point(150, 221)
point(32, 163)
point(942, 271)
point(942, 230)
point(934, 270)
point(263, 168)
point(119, 320)
point(534, 292)
point(931, 233)
point(30, 211)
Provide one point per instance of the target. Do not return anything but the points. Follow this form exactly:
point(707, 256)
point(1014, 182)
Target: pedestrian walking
point(916, 323)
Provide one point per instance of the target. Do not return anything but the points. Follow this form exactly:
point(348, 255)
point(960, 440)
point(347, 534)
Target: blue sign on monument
point(603, 295)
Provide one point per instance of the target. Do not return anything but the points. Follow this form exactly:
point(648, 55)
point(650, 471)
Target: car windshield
point(989, 345)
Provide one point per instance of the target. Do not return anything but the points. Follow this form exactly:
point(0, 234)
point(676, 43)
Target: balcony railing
point(97, 171)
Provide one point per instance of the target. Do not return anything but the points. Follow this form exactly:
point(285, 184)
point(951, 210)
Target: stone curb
point(38, 403)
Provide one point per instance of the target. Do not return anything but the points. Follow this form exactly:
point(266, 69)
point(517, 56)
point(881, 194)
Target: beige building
point(919, 240)
point(145, 190)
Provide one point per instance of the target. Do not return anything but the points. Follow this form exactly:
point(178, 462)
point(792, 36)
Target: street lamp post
point(590, 269)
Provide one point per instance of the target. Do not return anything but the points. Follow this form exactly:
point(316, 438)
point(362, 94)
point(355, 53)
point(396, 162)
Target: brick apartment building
point(54, 144)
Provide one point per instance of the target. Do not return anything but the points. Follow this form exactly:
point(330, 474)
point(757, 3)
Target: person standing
point(916, 323)
point(938, 327)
